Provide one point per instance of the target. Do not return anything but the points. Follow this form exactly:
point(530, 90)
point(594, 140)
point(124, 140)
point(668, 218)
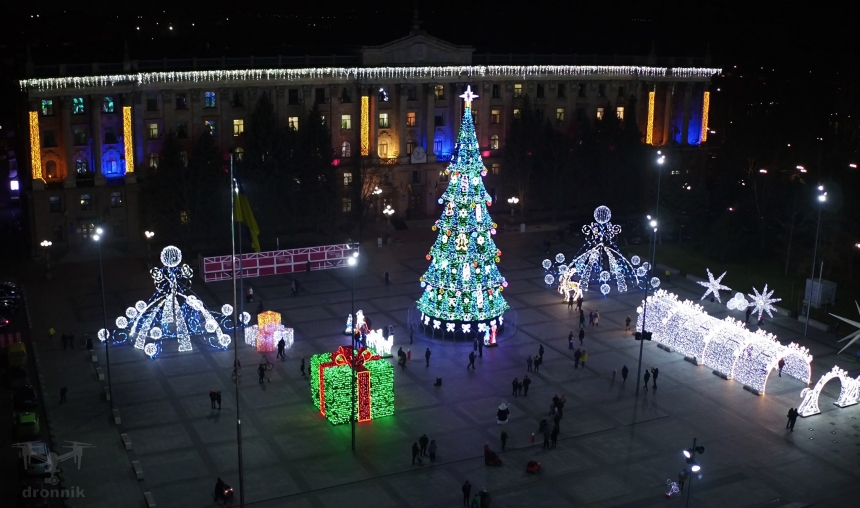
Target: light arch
point(849, 392)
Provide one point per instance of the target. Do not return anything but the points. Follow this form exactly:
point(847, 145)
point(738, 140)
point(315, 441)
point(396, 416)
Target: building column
point(373, 120)
point(686, 121)
point(667, 113)
point(68, 140)
point(97, 137)
point(430, 96)
point(402, 110)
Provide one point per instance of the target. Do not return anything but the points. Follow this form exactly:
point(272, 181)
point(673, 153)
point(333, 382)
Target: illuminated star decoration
point(468, 96)
point(853, 336)
point(762, 302)
point(714, 286)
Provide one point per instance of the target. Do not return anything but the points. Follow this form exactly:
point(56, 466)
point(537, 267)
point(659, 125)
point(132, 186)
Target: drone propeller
point(79, 444)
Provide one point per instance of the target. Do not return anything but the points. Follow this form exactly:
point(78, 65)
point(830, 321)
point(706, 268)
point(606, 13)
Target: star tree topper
point(853, 336)
point(714, 285)
point(468, 96)
point(762, 302)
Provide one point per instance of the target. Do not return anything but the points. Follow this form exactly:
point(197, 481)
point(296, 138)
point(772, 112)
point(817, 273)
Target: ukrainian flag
point(246, 216)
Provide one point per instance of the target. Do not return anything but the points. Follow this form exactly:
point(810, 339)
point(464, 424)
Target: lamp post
point(353, 262)
point(513, 201)
point(388, 213)
point(822, 197)
point(148, 235)
point(661, 159)
point(690, 457)
point(46, 244)
point(653, 224)
point(98, 238)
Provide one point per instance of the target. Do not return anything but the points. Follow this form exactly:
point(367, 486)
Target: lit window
point(410, 119)
point(86, 202)
point(110, 167)
point(410, 146)
point(559, 114)
point(116, 199)
point(51, 170)
point(347, 205)
point(183, 218)
point(383, 120)
point(517, 113)
point(81, 167)
point(153, 130)
point(494, 142)
point(47, 107)
point(495, 116)
point(107, 105)
point(293, 123)
point(153, 160)
point(55, 204)
point(13, 185)
point(346, 122)
point(238, 127)
point(210, 100)
point(439, 90)
point(619, 112)
point(347, 179)
point(383, 149)
point(239, 152)
point(345, 149)
point(495, 168)
point(518, 90)
point(183, 158)
point(210, 127)
point(600, 113)
point(78, 107)
point(80, 137)
point(437, 145)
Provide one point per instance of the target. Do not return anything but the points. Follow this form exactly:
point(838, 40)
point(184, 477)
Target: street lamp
point(513, 201)
point(643, 336)
point(353, 262)
point(148, 235)
point(97, 238)
point(690, 457)
point(822, 197)
point(377, 191)
point(46, 244)
point(388, 213)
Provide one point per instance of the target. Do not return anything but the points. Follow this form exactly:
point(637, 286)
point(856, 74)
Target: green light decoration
point(331, 385)
point(463, 286)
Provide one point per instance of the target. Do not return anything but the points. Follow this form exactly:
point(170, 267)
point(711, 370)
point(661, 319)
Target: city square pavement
point(614, 449)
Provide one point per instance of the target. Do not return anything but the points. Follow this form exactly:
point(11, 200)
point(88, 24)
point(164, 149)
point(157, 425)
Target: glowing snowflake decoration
point(641, 271)
point(224, 340)
point(604, 288)
point(559, 258)
point(210, 325)
point(655, 282)
point(155, 333)
point(246, 318)
point(547, 264)
point(171, 256)
point(762, 302)
point(713, 285)
point(150, 349)
point(140, 306)
point(604, 276)
point(853, 336)
point(131, 312)
point(227, 309)
point(635, 260)
point(549, 279)
point(103, 335)
point(121, 322)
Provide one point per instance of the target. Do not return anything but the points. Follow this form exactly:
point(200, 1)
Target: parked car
point(25, 397)
point(9, 305)
point(3, 322)
point(16, 354)
point(16, 377)
point(27, 425)
point(36, 466)
point(9, 290)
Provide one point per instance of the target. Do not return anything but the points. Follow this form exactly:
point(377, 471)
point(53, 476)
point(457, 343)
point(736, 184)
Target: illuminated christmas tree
point(463, 286)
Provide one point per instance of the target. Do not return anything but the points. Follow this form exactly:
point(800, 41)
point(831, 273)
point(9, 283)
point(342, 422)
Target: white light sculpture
point(714, 285)
point(377, 343)
point(849, 393)
point(762, 302)
point(853, 336)
point(738, 302)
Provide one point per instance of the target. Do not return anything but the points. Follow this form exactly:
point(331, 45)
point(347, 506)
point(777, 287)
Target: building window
point(240, 154)
point(561, 91)
point(345, 96)
point(495, 116)
point(580, 114)
point(118, 229)
point(107, 105)
point(475, 116)
point(582, 89)
point(153, 130)
point(237, 100)
point(438, 121)
point(621, 91)
point(416, 177)
point(559, 115)
point(541, 92)
point(110, 136)
point(411, 95)
point(347, 179)
point(346, 122)
point(86, 202)
point(183, 218)
point(439, 90)
point(51, 170)
point(116, 199)
point(47, 107)
point(495, 168)
point(437, 145)
point(619, 112)
point(153, 160)
point(410, 146)
point(347, 205)
point(383, 94)
point(183, 158)
point(517, 113)
point(81, 167)
point(345, 149)
point(293, 123)
point(238, 127)
point(518, 90)
point(494, 142)
point(410, 119)
point(78, 107)
point(293, 97)
point(55, 204)
point(600, 113)
point(322, 119)
point(319, 95)
point(48, 139)
point(181, 130)
point(601, 90)
point(57, 233)
point(111, 167)
point(383, 149)
point(209, 101)
point(211, 127)
point(80, 137)
point(151, 102)
point(497, 91)
point(181, 101)
point(383, 121)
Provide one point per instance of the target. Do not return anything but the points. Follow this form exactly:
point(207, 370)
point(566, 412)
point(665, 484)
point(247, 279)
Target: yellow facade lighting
point(365, 125)
point(706, 105)
point(127, 139)
point(35, 146)
point(649, 132)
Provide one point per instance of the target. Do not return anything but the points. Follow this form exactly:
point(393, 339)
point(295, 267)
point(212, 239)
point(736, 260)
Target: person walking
point(261, 371)
point(423, 441)
point(63, 392)
point(480, 347)
point(476, 501)
point(793, 418)
point(212, 397)
point(597, 318)
point(411, 333)
point(654, 373)
point(569, 303)
point(387, 278)
point(570, 340)
point(529, 363)
point(249, 295)
point(467, 491)
point(627, 324)
point(546, 435)
point(624, 372)
point(415, 453)
point(504, 439)
point(402, 362)
point(576, 356)
point(614, 372)
point(432, 450)
point(590, 318)
point(303, 366)
point(579, 304)
point(581, 335)
point(584, 358)
point(515, 383)
point(298, 286)
point(260, 308)
point(281, 345)
point(781, 364)
point(526, 383)
point(520, 388)
point(748, 313)
point(540, 351)
point(554, 436)
point(581, 319)
point(471, 360)
point(427, 356)
point(538, 359)
point(647, 377)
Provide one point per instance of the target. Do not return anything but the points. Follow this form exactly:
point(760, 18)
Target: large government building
point(94, 128)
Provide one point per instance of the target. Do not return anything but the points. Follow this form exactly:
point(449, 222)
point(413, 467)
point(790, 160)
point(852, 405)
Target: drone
point(52, 459)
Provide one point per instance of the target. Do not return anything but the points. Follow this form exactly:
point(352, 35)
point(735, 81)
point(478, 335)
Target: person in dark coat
point(647, 377)
point(540, 351)
point(281, 345)
point(303, 366)
point(526, 382)
point(654, 373)
point(432, 450)
point(261, 371)
point(423, 441)
point(581, 335)
point(570, 340)
point(415, 453)
point(576, 356)
point(554, 436)
point(471, 360)
point(624, 372)
point(546, 435)
point(427, 356)
point(515, 383)
point(467, 492)
point(504, 439)
point(212, 398)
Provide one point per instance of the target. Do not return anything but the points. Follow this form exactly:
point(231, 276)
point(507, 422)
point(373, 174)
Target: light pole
point(98, 238)
point(690, 456)
point(148, 235)
point(388, 213)
point(46, 244)
point(661, 159)
point(822, 197)
point(513, 201)
point(653, 224)
point(353, 262)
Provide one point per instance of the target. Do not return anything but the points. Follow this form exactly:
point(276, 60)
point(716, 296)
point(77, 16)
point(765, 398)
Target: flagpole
point(237, 317)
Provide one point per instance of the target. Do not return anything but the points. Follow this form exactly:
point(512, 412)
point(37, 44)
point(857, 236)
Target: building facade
point(91, 135)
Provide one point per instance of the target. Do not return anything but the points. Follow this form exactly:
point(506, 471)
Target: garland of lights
point(463, 284)
point(849, 392)
point(172, 313)
point(723, 345)
point(350, 74)
point(331, 390)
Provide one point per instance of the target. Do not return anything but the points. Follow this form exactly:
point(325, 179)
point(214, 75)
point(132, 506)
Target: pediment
point(416, 49)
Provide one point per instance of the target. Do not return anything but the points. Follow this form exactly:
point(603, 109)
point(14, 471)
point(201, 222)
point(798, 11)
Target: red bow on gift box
point(343, 356)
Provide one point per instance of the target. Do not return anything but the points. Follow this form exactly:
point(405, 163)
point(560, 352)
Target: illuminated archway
point(849, 392)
